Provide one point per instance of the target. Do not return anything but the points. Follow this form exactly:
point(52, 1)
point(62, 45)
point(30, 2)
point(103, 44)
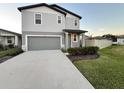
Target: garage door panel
point(43, 43)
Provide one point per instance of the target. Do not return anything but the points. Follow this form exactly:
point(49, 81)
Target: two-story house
point(50, 27)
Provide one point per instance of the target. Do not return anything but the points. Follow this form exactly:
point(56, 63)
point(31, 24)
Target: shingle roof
point(10, 32)
point(74, 31)
point(38, 5)
point(53, 6)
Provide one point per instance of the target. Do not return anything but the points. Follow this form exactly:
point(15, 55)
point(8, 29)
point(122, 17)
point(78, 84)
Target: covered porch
point(7, 39)
point(74, 38)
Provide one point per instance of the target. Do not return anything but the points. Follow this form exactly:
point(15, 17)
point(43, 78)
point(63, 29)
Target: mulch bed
point(3, 59)
point(82, 57)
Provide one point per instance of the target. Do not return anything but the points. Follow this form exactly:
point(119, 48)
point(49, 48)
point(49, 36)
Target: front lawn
point(107, 71)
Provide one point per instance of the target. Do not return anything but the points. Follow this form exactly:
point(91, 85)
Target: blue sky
point(98, 18)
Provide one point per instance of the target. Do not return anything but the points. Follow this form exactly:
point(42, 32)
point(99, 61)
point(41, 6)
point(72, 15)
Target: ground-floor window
point(9, 40)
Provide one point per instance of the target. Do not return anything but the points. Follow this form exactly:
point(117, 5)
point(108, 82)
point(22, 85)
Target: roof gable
point(61, 8)
point(53, 6)
point(42, 9)
point(39, 5)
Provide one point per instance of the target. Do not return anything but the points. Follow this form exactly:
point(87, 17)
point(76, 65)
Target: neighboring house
point(8, 37)
point(48, 27)
point(120, 41)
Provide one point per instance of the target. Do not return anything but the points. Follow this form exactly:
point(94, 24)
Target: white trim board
point(26, 39)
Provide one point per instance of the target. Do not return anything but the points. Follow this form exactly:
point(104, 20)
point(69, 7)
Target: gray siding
point(49, 23)
point(70, 19)
point(4, 33)
point(2, 40)
point(70, 23)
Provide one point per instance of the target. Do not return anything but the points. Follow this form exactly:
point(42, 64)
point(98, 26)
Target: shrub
point(15, 52)
point(63, 50)
point(75, 51)
point(72, 51)
point(11, 52)
point(83, 51)
point(1, 47)
point(79, 50)
point(92, 50)
point(11, 45)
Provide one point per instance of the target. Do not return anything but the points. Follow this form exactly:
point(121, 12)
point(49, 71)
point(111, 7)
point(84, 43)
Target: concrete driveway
point(41, 70)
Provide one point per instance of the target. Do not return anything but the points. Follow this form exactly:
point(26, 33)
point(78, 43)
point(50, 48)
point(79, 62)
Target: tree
point(111, 37)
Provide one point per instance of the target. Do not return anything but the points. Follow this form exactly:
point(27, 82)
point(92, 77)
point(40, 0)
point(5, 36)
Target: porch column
point(16, 40)
point(83, 40)
point(79, 40)
point(66, 40)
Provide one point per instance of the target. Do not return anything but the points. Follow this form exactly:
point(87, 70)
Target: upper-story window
point(59, 19)
point(76, 23)
point(38, 18)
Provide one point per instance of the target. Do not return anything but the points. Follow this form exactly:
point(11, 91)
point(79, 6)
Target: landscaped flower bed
point(82, 53)
point(10, 52)
point(7, 54)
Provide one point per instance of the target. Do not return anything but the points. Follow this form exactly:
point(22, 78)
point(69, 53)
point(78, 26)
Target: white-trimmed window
point(59, 19)
point(9, 40)
point(75, 37)
point(75, 22)
point(38, 18)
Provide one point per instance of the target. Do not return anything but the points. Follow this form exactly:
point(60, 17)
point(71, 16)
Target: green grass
point(107, 71)
point(10, 52)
